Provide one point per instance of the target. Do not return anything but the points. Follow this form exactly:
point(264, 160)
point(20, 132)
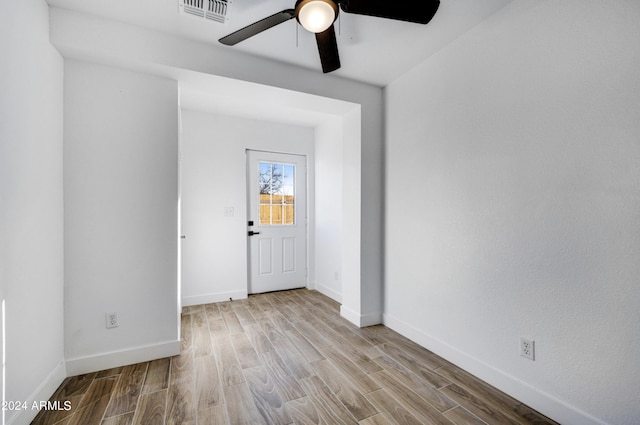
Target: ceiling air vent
point(214, 10)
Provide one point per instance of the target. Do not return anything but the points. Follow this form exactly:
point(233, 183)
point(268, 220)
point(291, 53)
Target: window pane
point(265, 215)
point(288, 180)
point(277, 174)
point(276, 214)
point(289, 174)
point(265, 178)
point(276, 199)
point(289, 217)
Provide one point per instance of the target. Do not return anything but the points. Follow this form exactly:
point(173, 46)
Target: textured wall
point(121, 205)
point(31, 222)
point(513, 192)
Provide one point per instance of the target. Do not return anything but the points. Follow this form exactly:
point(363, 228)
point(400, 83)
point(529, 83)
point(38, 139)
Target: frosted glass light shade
point(316, 16)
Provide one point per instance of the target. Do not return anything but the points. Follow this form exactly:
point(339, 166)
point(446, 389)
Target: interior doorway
point(219, 122)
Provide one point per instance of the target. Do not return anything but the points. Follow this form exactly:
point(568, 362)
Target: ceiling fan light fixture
point(316, 15)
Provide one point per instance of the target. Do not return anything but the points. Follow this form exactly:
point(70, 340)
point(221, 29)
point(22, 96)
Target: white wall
point(512, 199)
point(327, 277)
point(121, 197)
point(214, 253)
point(31, 222)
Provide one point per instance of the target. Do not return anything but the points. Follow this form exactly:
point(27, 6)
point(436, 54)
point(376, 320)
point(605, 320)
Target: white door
point(277, 216)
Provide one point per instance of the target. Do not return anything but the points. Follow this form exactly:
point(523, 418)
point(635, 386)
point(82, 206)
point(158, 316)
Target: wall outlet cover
point(111, 320)
point(527, 348)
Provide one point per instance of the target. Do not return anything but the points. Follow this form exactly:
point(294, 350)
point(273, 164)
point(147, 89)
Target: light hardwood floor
point(286, 358)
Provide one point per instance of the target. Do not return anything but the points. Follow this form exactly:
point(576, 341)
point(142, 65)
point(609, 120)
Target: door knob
point(251, 233)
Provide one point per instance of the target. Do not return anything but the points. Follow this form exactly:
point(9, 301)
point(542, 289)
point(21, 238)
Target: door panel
point(277, 208)
point(288, 255)
point(265, 256)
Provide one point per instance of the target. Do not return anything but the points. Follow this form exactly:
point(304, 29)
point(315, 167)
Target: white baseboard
point(112, 359)
point(42, 393)
point(360, 320)
point(325, 290)
point(215, 297)
point(370, 319)
point(544, 403)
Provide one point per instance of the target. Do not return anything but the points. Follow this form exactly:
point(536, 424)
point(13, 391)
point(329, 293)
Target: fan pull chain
point(297, 36)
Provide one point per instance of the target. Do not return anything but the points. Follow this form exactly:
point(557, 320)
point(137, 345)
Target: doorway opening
point(223, 119)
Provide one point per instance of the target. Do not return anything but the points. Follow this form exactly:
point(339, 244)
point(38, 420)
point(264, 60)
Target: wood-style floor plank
point(78, 385)
point(346, 392)
point(217, 328)
point(94, 403)
point(481, 408)
point(232, 322)
point(266, 396)
point(181, 409)
point(126, 419)
point(230, 368)
point(288, 386)
point(296, 364)
point(461, 416)
point(426, 357)
point(357, 376)
point(310, 332)
point(208, 393)
point(247, 355)
point(378, 419)
point(244, 316)
point(531, 416)
point(410, 400)
point(328, 405)
point(202, 346)
point(215, 416)
point(286, 358)
point(72, 390)
point(392, 411)
point(413, 364)
point(420, 386)
point(212, 312)
point(281, 322)
point(303, 411)
point(473, 385)
point(241, 407)
point(340, 344)
point(258, 339)
point(157, 376)
point(308, 351)
point(151, 408)
point(127, 390)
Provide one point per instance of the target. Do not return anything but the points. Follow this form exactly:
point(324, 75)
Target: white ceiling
point(372, 50)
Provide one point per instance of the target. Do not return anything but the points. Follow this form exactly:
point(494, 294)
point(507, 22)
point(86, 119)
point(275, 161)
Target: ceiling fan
point(318, 16)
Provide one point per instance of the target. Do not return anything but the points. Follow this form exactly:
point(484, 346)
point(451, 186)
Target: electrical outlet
point(112, 320)
point(527, 348)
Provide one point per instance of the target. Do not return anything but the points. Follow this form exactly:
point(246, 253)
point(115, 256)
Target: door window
point(277, 193)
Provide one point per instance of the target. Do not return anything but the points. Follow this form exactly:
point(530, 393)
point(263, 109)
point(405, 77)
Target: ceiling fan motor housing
point(304, 9)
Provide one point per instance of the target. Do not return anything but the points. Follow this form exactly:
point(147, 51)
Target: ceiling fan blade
point(328, 49)
point(418, 11)
point(258, 27)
